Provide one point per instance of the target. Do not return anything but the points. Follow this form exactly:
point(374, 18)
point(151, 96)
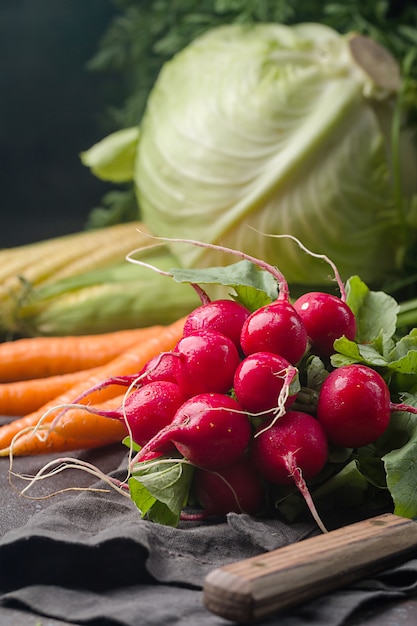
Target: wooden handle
point(259, 586)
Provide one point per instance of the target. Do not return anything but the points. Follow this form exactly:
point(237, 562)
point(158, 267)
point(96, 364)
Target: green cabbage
point(280, 130)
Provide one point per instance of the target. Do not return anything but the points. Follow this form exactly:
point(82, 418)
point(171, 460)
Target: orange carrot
point(37, 357)
point(24, 396)
point(129, 362)
point(75, 430)
point(78, 423)
point(32, 445)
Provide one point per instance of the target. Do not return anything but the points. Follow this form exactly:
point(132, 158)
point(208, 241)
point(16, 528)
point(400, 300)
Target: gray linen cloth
point(89, 559)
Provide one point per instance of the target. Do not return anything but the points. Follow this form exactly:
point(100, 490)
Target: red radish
point(354, 406)
point(236, 488)
point(296, 440)
point(147, 410)
point(206, 362)
point(262, 383)
point(160, 367)
point(154, 456)
point(222, 316)
point(292, 450)
point(326, 318)
point(210, 430)
point(277, 328)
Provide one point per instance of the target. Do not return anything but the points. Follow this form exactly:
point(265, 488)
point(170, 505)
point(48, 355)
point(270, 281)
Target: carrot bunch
point(41, 373)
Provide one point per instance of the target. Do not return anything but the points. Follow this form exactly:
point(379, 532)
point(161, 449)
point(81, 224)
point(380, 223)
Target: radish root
point(296, 474)
point(288, 374)
point(316, 255)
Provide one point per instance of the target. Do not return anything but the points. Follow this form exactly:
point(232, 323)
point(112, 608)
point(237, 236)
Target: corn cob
point(27, 267)
point(117, 297)
point(40, 259)
point(89, 249)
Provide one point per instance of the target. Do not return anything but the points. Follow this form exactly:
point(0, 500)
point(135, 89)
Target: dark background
point(50, 110)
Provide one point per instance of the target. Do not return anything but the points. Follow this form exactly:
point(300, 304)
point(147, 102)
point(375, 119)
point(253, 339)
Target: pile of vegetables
point(261, 404)
point(246, 387)
point(325, 383)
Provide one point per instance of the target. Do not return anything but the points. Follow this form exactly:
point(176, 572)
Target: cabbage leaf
point(272, 129)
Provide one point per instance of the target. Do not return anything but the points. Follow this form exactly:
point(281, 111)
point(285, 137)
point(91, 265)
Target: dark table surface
point(15, 511)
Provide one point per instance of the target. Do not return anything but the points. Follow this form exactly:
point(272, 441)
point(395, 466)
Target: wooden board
point(254, 588)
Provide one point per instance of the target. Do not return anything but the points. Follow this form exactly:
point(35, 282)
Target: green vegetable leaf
point(406, 365)
point(162, 514)
point(113, 157)
point(376, 317)
point(251, 297)
point(398, 360)
point(150, 506)
point(315, 372)
point(373, 469)
point(141, 496)
point(403, 363)
point(160, 490)
point(400, 463)
point(347, 489)
point(351, 352)
point(375, 311)
point(254, 287)
point(132, 445)
point(404, 353)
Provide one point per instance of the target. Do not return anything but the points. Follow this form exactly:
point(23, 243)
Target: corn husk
point(120, 296)
point(24, 270)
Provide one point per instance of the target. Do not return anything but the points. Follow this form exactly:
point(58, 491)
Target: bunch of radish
point(225, 399)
